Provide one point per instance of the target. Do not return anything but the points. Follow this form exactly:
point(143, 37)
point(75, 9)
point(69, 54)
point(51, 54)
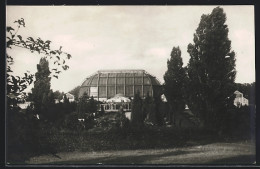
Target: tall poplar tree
point(211, 70)
point(174, 79)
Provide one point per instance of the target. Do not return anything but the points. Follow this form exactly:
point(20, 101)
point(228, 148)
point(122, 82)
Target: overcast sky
point(125, 37)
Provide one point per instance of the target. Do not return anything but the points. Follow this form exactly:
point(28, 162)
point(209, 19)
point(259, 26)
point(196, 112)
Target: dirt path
point(216, 153)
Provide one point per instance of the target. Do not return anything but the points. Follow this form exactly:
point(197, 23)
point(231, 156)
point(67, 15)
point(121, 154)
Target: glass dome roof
point(108, 83)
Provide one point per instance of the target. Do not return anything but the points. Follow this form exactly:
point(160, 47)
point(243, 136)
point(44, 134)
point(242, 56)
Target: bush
point(240, 122)
point(137, 117)
point(25, 136)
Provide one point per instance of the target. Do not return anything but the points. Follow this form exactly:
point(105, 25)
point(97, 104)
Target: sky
point(125, 37)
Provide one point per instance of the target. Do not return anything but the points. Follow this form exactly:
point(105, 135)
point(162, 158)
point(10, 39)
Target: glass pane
point(102, 91)
point(120, 75)
point(146, 81)
point(94, 81)
point(103, 75)
point(138, 74)
point(112, 75)
point(129, 91)
point(129, 75)
point(138, 89)
point(111, 81)
point(93, 91)
point(102, 81)
point(120, 90)
point(120, 80)
point(86, 83)
point(83, 90)
point(129, 81)
point(138, 80)
point(111, 91)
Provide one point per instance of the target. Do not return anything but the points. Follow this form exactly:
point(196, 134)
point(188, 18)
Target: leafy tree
point(174, 79)
point(58, 95)
point(21, 126)
point(211, 69)
point(17, 84)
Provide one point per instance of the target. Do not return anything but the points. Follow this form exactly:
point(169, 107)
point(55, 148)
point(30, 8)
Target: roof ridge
point(120, 70)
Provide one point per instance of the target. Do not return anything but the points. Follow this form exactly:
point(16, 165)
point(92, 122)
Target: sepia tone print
point(130, 85)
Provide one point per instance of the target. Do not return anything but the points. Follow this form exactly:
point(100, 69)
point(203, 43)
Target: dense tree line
point(207, 83)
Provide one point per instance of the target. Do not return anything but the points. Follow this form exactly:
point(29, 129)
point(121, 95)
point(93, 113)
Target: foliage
point(137, 117)
point(174, 79)
point(87, 105)
point(58, 95)
point(16, 84)
point(70, 121)
point(24, 130)
point(82, 104)
point(148, 110)
point(42, 95)
point(240, 122)
point(92, 105)
point(159, 111)
point(211, 69)
point(86, 108)
point(118, 139)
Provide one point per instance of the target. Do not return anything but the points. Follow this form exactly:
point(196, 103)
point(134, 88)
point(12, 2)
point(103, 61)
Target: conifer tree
point(42, 94)
point(137, 113)
point(174, 79)
point(211, 69)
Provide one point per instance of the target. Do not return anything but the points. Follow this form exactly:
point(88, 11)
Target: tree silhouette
point(174, 79)
point(211, 69)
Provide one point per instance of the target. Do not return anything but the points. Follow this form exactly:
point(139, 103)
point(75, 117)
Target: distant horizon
point(123, 37)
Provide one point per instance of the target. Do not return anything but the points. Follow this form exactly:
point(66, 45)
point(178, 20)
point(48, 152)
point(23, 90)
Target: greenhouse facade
point(105, 84)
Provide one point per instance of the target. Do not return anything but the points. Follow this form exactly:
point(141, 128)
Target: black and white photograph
point(130, 85)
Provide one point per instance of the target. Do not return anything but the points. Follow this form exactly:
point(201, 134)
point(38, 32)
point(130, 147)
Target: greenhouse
point(105, 84)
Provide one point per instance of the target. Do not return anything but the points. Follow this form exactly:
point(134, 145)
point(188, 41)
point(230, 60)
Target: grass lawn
point(242, 152)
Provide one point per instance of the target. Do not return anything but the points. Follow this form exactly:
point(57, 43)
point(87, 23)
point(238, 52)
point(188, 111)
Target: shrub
point(239, 122)
point(137, 118)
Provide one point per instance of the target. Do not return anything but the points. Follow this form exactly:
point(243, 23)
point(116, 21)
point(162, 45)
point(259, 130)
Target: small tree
point(146, 106)
point(136, 112)
point(92, 105)
point(42, 96)
point(158, 111)
point(82, 107)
